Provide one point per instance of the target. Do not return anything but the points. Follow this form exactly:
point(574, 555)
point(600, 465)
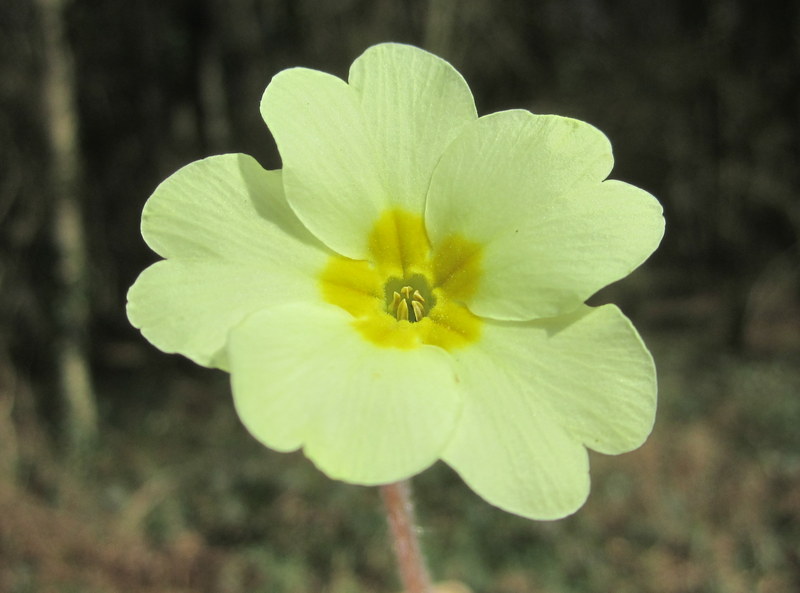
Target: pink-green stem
point(400, 514)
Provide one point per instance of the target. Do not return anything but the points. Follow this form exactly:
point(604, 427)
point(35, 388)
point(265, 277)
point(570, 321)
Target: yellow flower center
point(407, 294)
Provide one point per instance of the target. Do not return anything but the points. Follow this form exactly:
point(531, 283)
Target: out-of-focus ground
point(178, 497)
point(701, 101)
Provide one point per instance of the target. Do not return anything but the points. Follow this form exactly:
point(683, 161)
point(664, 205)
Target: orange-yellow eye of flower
point(407, 294)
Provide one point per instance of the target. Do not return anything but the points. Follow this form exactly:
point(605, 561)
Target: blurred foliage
point(701, 100)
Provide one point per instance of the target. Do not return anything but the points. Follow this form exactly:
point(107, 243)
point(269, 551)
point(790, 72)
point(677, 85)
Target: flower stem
point(400, 514)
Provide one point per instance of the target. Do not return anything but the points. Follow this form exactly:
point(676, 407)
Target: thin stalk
point(400, 515)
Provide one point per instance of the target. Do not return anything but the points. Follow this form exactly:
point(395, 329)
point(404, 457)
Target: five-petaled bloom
point(411, 285)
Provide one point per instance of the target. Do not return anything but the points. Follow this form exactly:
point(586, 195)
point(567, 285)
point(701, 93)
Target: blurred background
point(123, 469)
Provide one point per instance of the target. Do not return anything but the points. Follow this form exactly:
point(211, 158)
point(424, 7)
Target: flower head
point(410, 286)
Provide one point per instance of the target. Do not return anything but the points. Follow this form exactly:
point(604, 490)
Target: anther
point(419, 310)
point(408, 304)
point(402, 311)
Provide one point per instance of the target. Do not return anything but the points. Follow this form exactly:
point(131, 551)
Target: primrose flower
point(410, 286)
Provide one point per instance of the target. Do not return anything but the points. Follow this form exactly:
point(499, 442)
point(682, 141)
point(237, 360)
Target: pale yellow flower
point(411, 285)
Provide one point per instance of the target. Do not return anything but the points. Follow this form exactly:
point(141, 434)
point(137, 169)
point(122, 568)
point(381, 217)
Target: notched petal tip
point(531, 493)
point(232, 245)
point(530, 189)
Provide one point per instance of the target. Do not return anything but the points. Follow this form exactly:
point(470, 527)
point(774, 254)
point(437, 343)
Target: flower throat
point(405, 293)
point(408, 299)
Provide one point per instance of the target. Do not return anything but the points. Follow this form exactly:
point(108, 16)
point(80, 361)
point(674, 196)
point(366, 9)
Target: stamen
point(396, 300)
point(402, 311)
point(408, 304)
point(419, 311)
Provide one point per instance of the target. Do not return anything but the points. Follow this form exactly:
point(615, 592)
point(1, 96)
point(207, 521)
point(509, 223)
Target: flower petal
point(352, 151)
point(528, 189)
point(235, 247)
point(302, 375)
point(227, 207)
point(535, 393)
point(330, 172)
point(414, 105)
point(510, 449)
point(189, 306)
